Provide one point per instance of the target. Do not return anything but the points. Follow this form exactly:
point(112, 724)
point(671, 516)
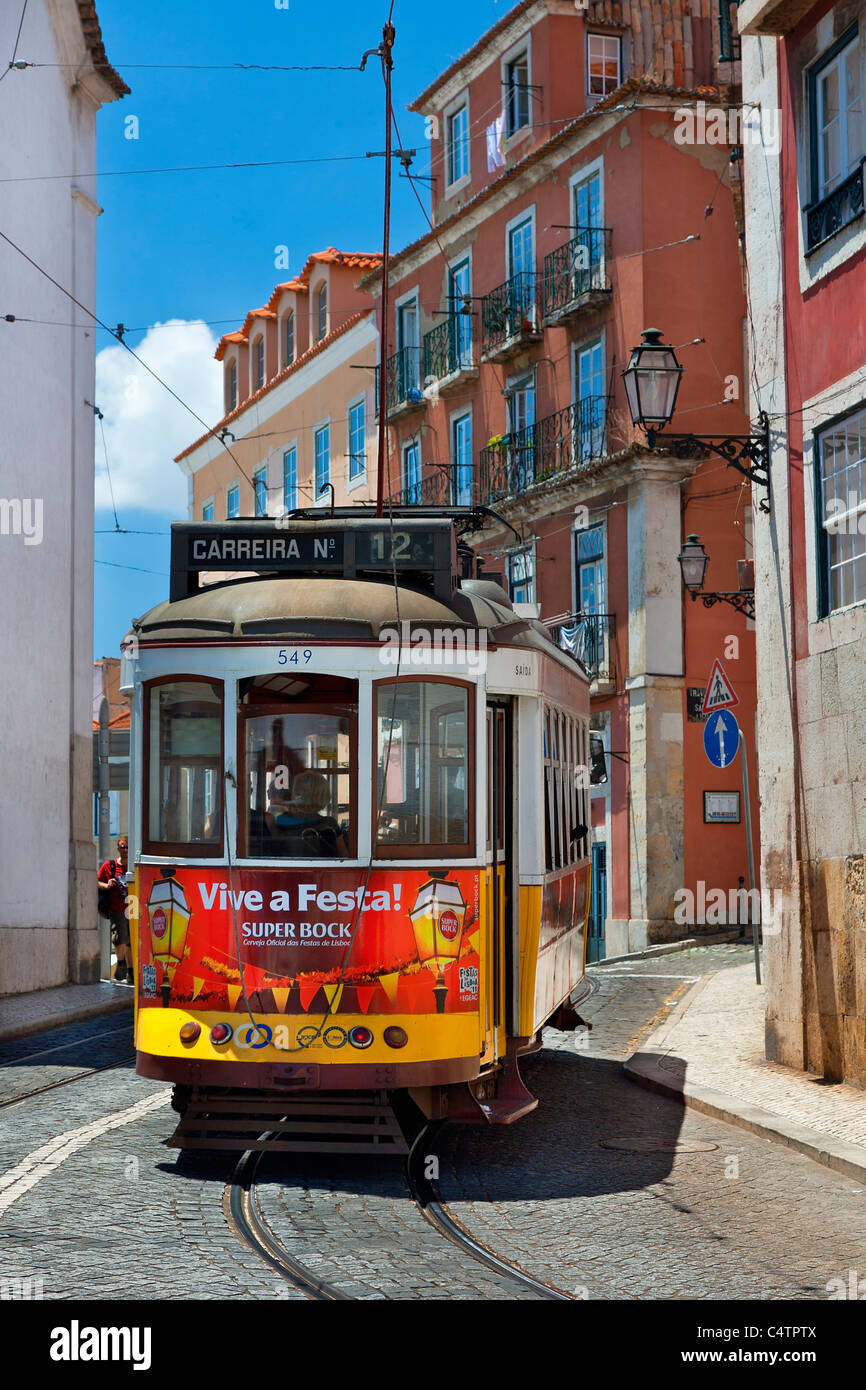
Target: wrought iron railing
point(591, 637)
point(402, 379)
point(577, 268)
point(510, 311)
point(446, 487)
point(730, 43)
point(831, 214)
point(447, 349)
point(572, 438)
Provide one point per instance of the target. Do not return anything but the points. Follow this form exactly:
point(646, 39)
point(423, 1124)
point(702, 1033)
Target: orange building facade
point(573, 206)
point(298, 382)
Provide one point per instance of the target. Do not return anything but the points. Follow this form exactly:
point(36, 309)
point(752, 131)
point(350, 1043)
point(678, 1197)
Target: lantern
point(693, 563)
point(169, 922)
point(652, 380)
point(437, 920)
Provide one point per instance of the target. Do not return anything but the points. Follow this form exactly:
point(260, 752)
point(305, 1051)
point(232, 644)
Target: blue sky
point(201, 245)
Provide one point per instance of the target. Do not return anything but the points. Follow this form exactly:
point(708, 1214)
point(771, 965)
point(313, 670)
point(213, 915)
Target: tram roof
point(334, 610)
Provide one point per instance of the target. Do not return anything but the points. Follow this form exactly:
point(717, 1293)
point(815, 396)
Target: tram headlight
point(221, 1033)
point(190, 1031)
point(360, 1036)
point(395, 1036)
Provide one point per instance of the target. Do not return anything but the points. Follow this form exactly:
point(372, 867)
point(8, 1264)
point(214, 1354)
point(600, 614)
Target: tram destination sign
point(421, 551)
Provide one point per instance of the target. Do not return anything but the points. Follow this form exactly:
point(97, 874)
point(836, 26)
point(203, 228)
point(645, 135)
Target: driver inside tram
point(300, 813)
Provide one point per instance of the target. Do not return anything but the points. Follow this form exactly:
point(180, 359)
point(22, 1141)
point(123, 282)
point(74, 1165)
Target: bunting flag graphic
point(197, 987)
point(234, 994)
point(308, 993)
point(390, 984)
point(364, 995)
point(334, 994)
point(281, 997)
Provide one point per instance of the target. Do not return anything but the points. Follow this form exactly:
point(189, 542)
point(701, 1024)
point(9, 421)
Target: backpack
point(104, 893)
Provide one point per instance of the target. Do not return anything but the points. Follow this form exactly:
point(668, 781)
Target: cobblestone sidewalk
point(710, 1053)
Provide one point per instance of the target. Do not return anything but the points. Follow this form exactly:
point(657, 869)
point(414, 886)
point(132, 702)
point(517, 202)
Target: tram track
point(245, 1220)
point(244, 1217)
point(427, 1197)
point(31, 1059)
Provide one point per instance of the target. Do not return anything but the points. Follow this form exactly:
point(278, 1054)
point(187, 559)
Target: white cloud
point(144, 425)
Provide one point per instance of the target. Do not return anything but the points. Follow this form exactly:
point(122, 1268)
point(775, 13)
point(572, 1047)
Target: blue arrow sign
point(721, 738)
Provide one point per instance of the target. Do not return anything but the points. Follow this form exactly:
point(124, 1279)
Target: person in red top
point(113, 876)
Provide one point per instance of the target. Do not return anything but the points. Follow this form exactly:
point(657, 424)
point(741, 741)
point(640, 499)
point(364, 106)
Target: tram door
point(500, 859)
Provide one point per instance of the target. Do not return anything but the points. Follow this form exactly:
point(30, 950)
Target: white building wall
point(48, 921)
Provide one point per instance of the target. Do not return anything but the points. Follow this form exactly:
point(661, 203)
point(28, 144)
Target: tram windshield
point(185, 767)
point(299, 749)
point(424, 761)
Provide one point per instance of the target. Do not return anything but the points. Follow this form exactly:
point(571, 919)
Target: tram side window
point(566, 808)
point(425, 769)
point(300, 767)
point(185, 767)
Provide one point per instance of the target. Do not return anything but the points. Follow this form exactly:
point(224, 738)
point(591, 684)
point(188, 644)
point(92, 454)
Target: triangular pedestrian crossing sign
point(719, 693)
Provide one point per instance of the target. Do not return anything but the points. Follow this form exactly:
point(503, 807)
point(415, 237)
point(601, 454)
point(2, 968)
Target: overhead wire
point(11, 62)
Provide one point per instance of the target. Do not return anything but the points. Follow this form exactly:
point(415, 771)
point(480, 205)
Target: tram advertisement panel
point(393, 941)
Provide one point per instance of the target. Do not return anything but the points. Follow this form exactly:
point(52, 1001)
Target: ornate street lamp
point(652, 381)
point(693, 563)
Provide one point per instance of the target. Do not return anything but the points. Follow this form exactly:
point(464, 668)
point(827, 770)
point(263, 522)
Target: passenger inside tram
point(302, 814)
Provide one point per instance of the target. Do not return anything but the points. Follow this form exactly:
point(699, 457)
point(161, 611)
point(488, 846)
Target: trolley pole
point(750, 849)
point(388, 36)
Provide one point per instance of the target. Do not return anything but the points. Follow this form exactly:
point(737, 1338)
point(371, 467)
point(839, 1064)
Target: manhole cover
point(659, 1146)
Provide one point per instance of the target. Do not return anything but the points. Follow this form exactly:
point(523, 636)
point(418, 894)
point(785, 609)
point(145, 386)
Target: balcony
point(570, 440)
point(831, 214)
point(449, 357)
point(510, 319)
point(403, 392)
point(730, 43)
point(591, 638)
point(575, 275)
point(444, 488)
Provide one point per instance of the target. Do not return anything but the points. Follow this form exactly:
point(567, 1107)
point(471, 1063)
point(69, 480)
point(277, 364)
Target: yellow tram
point(359, 817)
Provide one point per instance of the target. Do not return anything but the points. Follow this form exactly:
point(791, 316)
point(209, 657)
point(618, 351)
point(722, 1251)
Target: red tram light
point(221, 1033)
point(360, 1036)
point(190, 1031)
point(396, 1037)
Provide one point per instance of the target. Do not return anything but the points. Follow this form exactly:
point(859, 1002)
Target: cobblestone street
point(605, 1192)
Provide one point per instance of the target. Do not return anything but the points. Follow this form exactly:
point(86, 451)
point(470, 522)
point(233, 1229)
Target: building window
point(323, 459)
point(841, 453)
point(590, 571)
point(322, 311)
point(517, 94)
point(259, 364)
point(521, 575)
point(461, 461)
point(458, 145)
point(411, 469)
point(591, 404)
point(289, 340)
point(233, 501)
point(460, 317)
point(837, 126)
point(290, 479)
point(602, 64)
point(260, 491)
point(233, 385)
point(207, 512)
point(357, 441)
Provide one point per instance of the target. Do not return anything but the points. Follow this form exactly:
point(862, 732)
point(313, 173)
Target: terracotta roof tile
point(93, 39)
point(280, 377)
